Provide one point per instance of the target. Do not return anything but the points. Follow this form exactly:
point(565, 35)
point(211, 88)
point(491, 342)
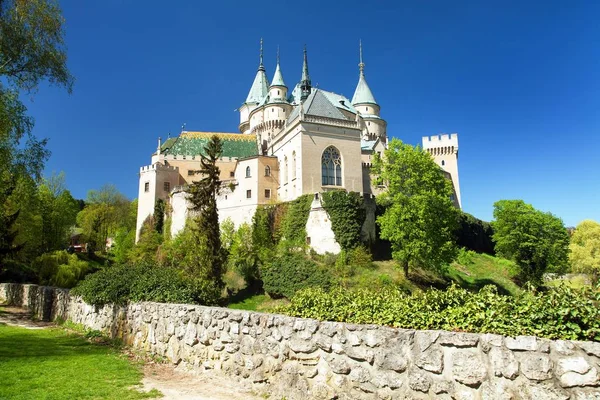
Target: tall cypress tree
point(203, 198)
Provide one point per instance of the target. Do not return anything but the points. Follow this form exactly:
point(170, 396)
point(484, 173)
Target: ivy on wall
point(293, 223)
point(347, 213)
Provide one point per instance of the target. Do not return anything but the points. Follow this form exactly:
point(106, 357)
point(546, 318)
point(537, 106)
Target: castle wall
point(444, 150)
point(319, 234)
point(302, 359)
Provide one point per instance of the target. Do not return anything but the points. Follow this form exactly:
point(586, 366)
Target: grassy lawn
point(54, 364)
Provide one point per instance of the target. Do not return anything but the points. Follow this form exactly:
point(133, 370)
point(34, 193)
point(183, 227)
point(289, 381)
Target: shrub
point(293, 224)
point(62, 269)
point(287, 274)
point(360, 257)
point(560, 313)
point(144, 282)
point(347, 214)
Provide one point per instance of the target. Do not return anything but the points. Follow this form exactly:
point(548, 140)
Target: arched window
point(443, 163)
point(247, 172)
point(331, 167)
point(293, 165)
point(284, 170)
point(267, 171)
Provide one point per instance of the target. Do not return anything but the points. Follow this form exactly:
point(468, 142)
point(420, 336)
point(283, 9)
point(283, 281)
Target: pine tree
point(208, 264)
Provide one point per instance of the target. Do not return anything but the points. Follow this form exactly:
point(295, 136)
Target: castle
point(290, 142)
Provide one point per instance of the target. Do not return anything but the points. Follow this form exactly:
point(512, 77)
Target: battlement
point(172, 157)
point(440, 140)
point(157, 167)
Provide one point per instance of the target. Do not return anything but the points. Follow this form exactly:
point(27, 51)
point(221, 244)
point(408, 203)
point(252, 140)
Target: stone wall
point(302, 358)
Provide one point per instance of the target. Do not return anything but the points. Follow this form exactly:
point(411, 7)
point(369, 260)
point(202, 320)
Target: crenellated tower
point(257, 93)
point(444, 150)
point(365, 103)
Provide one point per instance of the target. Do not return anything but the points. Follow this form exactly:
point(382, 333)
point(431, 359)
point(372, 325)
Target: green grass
point(54, 364)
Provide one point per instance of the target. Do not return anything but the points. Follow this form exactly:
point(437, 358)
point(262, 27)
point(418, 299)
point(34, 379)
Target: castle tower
point(258, 91)
point(365, 103)
point(305, 84)
point(278, 90)
point(444, 150)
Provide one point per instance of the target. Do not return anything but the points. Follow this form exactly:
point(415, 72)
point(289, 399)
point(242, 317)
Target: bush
point(287, 274)
point(475, 234)
point(62, 269)
point(293, 224)
point(560, 313)
point(347, 213)
point(145, 282)
point(360, 258)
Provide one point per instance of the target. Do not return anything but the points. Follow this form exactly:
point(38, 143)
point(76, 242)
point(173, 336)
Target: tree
point(106, 211)
point(585, 248)
point(534, 240)
point(209, 260)
point(159, 215)
point(419, 218)
point(58, 211)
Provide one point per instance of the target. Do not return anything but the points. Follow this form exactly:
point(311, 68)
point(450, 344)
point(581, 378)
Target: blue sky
point(518, 81)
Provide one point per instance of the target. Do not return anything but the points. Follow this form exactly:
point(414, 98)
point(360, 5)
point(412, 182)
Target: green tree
point(209, 257)
point(585, 248)
point(159, 215)
point(420, 218)
point(106, 211)
point(535, 240)
point(347, 214)
point(58, 211)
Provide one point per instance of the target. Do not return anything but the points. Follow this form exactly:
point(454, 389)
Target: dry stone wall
point(306, 359)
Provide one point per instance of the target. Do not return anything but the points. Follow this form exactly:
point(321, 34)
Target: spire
point(260, 86)
point(305, 85)
point(363, 93)
point(278, 77)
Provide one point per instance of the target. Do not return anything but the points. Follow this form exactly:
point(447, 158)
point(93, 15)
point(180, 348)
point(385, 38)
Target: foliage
point(347, 213)
point(290, 272)
point(39, 364)
point(360, 258)
point(242, 255)
point(145, 282)
point(534, 240)
point(419, 219)
point(475, 234)
point(146, 247)
point(159, 215)
point(209, 257)
point(106, 211)
point(293, 224)
point(585, 248)
point(561, 313)
point(227, 234)
point(8, 233)
point(62, 269)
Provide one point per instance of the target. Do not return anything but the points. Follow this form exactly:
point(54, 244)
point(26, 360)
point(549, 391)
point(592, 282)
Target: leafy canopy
point(420, 218)
point(585, 248)
point(535, 240)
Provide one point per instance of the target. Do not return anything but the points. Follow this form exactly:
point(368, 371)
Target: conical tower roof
point(363, 93)
point(278, 77)
point(260, 86)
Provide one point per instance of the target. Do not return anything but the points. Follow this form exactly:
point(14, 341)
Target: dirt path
point(174, 383)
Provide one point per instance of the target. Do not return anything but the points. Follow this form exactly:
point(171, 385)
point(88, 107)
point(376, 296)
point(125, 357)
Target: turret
point(278, 90)
point(305, 85)
point(258, 91)
point(365, 103)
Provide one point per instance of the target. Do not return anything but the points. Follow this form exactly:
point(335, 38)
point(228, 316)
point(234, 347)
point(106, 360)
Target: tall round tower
point(257, 93)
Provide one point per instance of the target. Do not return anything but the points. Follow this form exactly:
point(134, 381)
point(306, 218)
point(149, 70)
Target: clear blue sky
point(519, 83)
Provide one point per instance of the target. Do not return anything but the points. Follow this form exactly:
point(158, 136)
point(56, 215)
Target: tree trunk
point(405, 268)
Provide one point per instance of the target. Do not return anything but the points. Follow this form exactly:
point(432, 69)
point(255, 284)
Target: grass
point(55, 364)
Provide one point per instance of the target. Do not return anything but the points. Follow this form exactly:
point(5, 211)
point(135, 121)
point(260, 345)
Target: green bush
point(287, 274)
point(347, 213)
point(62, 269)
point(560, 313)
point(360, 258)
point(293, 224)
point(144, 282)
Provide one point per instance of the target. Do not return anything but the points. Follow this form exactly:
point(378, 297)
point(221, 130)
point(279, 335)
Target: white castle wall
point(318, 229)
point(444, 149)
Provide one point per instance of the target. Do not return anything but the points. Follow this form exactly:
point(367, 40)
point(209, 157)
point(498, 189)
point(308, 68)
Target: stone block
point(503, 362)
point(536, 366)
point(338, 365)
point(431, 360)
point(521, 343)
point(419, 380)
point(458, 339)
point(572, 379)
point(467, 368)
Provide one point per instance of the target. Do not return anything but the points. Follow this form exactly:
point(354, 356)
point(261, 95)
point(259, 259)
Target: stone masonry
point(307, 359)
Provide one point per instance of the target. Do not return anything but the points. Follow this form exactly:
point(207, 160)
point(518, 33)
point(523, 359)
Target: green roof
point(235, 145)
point(363, 94)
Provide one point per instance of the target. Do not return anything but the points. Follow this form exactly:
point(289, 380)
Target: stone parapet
point(300, 358)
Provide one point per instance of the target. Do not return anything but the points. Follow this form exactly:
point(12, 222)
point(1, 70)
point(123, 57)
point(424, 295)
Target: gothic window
point(267, 171)
point(331, 167)
point(284, 170)
point(293, 165)
point(167, 186)
point(247, 172)
point(443, 163)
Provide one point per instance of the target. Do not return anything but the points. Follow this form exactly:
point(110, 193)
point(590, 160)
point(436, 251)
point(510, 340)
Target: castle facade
point(291, 141)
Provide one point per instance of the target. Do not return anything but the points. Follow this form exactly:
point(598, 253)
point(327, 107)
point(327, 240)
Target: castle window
point(443, 163)
point(231, 174)
point(247, 172)
point(284, 171)
point(278, 92)
point(267, 193)
point(248, 194)
point(331, 167)
point(167, 186)
point(146, 187)
point(293, 165)
point(267, 171)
